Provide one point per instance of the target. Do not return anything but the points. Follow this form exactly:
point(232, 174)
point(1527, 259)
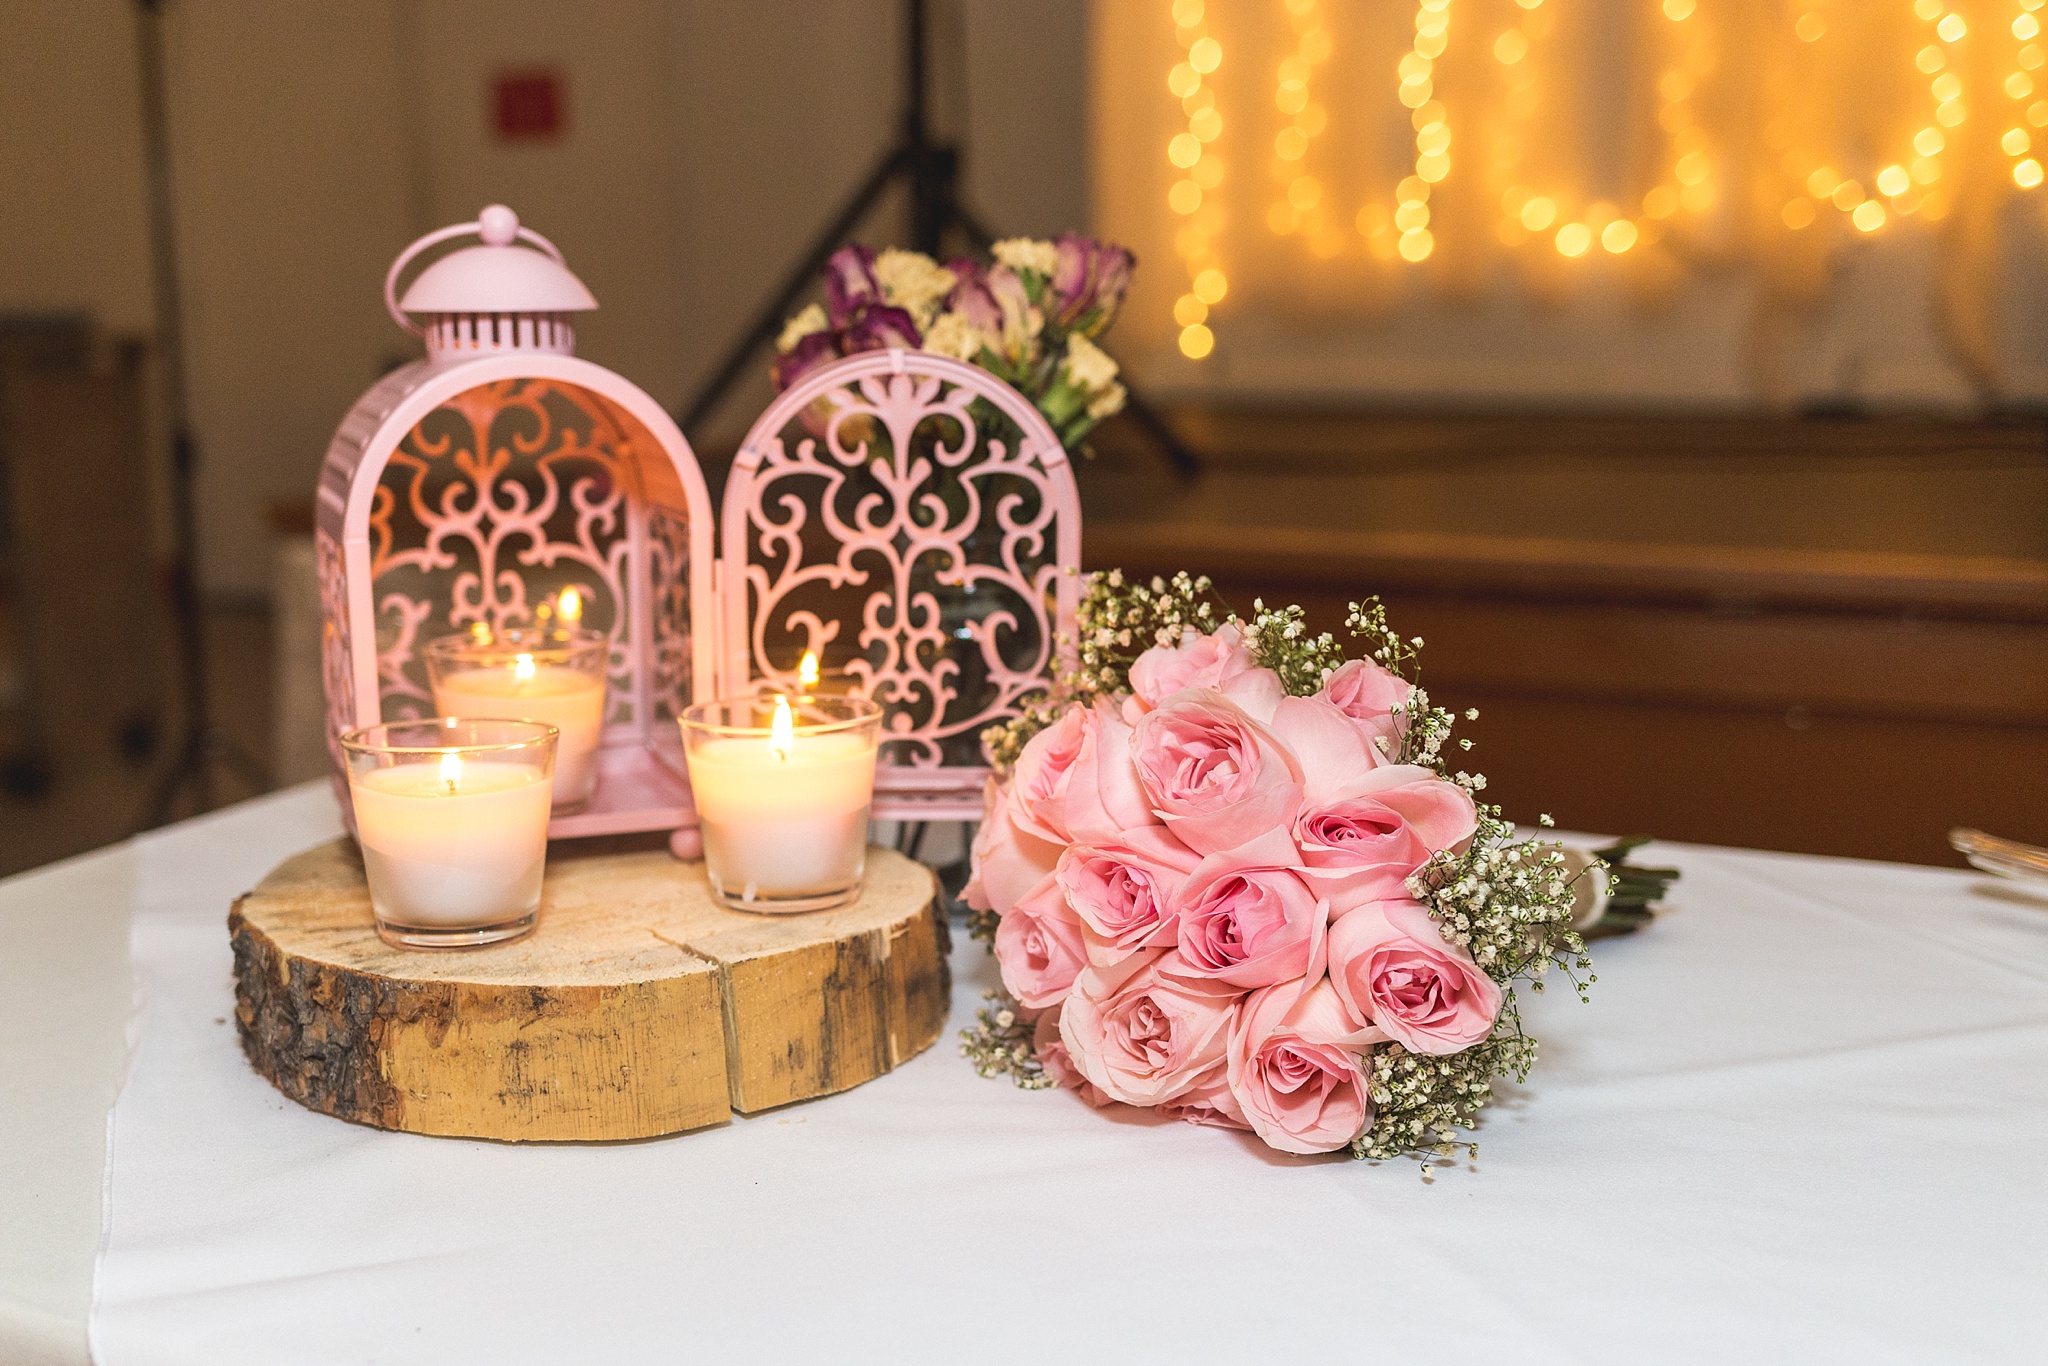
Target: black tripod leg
point(1184, 461)
point(768, 322)
point(187, 765)
point(967, 223)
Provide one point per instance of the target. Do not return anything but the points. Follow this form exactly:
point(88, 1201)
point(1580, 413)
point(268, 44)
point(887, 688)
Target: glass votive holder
point(452, 817)
point(555, 676)
point(782, 786)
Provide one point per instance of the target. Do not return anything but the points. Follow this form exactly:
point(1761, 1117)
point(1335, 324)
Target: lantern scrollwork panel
point(913, 521)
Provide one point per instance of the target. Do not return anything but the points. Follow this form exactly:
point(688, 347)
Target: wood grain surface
point(637, 1007)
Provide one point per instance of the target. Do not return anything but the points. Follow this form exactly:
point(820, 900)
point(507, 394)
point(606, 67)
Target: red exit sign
point(529, 105)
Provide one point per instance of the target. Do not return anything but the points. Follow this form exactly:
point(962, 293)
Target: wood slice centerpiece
point(637, 1007)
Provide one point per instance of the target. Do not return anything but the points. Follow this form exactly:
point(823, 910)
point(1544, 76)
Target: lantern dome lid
point(496, 277)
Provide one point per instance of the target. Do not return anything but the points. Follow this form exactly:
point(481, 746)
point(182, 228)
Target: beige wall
point(707, 141)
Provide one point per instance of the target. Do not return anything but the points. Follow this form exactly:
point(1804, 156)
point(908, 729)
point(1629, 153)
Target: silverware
point(2006, 858)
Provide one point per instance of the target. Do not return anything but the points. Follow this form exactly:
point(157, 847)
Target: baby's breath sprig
point(1504, 900)
point(1279, 638)
point(1115, 622)
point(1507, 902)
point(982, 925)
point(1367, 621)
point(1420, 1103)
point(1425, 729)
point(999, 1044)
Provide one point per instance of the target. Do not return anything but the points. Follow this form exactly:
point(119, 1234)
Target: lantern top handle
point(496, 277)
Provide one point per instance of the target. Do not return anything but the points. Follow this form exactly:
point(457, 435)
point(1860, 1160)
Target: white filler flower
point(913, 282)
point(952, 335)
point(812, 319)
point(1088, 366)
point(1027, 254)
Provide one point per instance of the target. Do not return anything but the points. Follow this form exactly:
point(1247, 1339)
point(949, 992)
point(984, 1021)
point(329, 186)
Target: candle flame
point(570, 605)
point(522, 668)
point(451, 771)
point(807, 672)
point(782, 732)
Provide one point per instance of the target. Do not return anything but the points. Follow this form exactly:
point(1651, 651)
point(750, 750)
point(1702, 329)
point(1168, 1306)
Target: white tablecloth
point(64, 1007)
point(1804, 1119)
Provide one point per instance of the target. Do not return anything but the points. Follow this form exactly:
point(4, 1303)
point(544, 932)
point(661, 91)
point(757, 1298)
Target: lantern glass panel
point(529, 502)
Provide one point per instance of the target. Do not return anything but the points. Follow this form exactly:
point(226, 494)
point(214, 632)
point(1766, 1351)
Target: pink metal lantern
point(912, 520)
point(473, 488)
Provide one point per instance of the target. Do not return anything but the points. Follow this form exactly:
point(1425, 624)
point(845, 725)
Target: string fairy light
point(1825, 102)
point(1909, 186)
point(2023, 84)
point(1300, 206)
point(1688, 184)
point(1192, 196)
point(1432, 130)
point(1405, 233)
point(1525, 211)
point(2017, 142)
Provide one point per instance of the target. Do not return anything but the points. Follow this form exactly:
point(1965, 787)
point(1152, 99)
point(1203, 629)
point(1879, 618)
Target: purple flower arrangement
point(1030, 316)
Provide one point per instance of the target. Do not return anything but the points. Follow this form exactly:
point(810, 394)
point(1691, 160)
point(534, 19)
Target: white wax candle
point(567, 699)
point(438, 858)
point(777, 826)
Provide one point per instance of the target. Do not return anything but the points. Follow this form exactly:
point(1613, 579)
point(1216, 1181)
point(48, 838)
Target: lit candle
point(555, 677)
point(814, 680)
point(783, 808)
point(452, 817)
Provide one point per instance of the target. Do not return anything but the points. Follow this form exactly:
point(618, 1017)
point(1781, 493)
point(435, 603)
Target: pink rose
point(1038, 787)
point(1007, 863)
point(1368, 694)
point(1102, 796)
point(1360, 842)
point(1052, 1056)
point(1215, 776)
point(1248, 918)
point(1208, 1101)
point(1145, 1031)
point(1294, 1068)
point(1390, 965)
point(1330, 748)
point(1219, 662)
point(1124, 889)
point(1039, 947)
point(974, 894)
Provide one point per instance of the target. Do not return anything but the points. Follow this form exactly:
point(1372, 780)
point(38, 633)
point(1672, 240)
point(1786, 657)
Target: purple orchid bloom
point(1088, 285)
point(819, 348)
point(972, 298)
point(995, 301)
point(856, 318)
point(850, 284)
point(878, 327)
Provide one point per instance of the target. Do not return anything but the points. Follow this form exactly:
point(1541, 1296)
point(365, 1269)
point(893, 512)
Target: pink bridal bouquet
point(1228, 875)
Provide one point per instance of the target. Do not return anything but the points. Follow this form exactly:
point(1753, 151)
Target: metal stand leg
point(932, 172)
